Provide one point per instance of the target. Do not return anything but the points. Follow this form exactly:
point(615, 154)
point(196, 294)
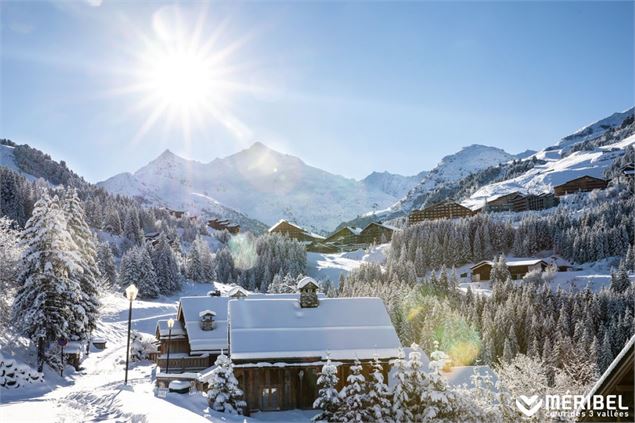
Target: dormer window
point(207, 319)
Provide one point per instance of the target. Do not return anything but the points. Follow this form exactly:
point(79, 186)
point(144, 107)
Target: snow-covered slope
point(557, 170)
point(259, 182)
point(452, 168)
point(391, 183)
point(596, 129)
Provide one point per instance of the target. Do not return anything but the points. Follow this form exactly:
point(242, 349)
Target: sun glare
point(183, 77)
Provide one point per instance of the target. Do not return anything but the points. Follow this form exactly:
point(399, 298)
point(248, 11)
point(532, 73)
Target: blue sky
point(348, 87)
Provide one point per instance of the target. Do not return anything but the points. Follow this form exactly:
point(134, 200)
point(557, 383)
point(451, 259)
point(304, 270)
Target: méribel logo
point(528, 405)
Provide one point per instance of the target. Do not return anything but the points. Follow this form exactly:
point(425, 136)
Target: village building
point(503, 203)
point(223, 224)
point(279, 346)
point(376, 233)
point(445, 210)
point(175, 213)
point(345, 236)
point(294, 231)
point(277, 342)
point(517, 268)
point(534, 202)
point(582, 184)
point(616, 380)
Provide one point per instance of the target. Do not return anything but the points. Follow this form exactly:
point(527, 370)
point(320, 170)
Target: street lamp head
point(131, 292)
point(171, 323)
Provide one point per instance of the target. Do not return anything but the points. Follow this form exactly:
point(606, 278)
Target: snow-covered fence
point(14, 376)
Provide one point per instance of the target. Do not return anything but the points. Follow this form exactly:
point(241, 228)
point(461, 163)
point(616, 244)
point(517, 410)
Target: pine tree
point(136, 268)
point(619, 280)
point(46, 305)
point(400, 399)
point(132, 227)
point(438, 403)
point(106, 263)
point(224, 395)
point(165, 266)
point(379, 395)
point(414, 379)
point(354, 396)
point(328, 399)
point(89, 275)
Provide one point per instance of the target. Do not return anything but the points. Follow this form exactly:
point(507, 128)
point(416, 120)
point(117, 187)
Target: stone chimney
point(308, 293)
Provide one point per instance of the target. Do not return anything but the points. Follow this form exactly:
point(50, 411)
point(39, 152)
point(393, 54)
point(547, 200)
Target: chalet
point(503, 203)
point(534, 202)
point(376, 233)
point(518, 268)
point(582, 184)
point(175, 213)
point(279, 346)
point(616, 380)
point(347, 235)
point(445, 210)
point(294, 231)
point(223, 224)
point(277, 342)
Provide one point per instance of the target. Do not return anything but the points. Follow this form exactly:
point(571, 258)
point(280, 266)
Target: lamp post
point(131, 294)
point(170, 326)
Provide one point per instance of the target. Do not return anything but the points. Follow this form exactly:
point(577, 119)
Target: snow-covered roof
point(205, 340)
point(511, 263)
point(616, 361)
point(177, 331)
point(344, 328)
point(281, 221)
point(237, 290)
point(305, 281)
point(206, 312)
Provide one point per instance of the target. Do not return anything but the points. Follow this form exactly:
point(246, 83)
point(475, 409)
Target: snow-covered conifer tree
point(89, 275)
point(400, 400)
point(48, 301)
point(106, 263)
point(328, 399)
point(165, 266)
point(354, 397)
point(132, 228)
point(379, 404)
point(224, 395)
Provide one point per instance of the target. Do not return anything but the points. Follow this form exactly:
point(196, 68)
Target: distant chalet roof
point(306, 281)
point(309, 233)
point(237, 290)
point(382, 225)
point(511, 263)
point(343, 328)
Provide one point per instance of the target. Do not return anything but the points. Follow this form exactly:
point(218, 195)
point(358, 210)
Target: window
point(270, 398)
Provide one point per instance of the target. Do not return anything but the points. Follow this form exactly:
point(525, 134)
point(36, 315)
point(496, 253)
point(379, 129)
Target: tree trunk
point(40, 355)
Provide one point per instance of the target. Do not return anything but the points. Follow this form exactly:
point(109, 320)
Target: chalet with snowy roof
point(617, 379)
point(582, 184)
point(348, 235)
point(445, 210)
point(223, 225)
point(294, 231)
point(279, 346)
point(376, 233)
point(176, 213)
point(518, 268)
point(278, 343)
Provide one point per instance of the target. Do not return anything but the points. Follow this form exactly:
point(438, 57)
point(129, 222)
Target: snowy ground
point(322, 266)
point(97, 393)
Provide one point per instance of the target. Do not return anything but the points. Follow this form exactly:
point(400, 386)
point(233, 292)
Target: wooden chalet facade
point(517, 268)
point(535, 202)
point(582, 184)
point(445, 210)
point(504, 203)
point(175, 213)
point(278, 343)
point(345, 236)
point(294, 231)
point(223, 224)
point(618, 379)
point(375, 233)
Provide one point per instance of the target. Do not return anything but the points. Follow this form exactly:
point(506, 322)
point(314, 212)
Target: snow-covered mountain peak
point(598, 128)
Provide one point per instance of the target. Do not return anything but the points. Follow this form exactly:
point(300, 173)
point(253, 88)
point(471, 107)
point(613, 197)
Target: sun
point(184, 76)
